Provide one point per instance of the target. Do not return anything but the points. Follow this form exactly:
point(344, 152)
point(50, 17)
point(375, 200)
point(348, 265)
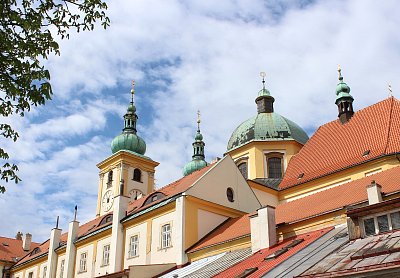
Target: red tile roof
point(231, 229)
point(337, 197)
point(83, 230)
point(263, 266)
point(11, 249)
point(336, 146)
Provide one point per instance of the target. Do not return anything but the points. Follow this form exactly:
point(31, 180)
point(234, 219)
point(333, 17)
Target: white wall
point(89, 261)
point(100, 269)
point(141, 231)
point(59, 260)
point(167, 255)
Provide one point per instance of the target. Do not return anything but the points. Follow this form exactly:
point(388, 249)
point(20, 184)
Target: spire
point(130, 117)
point(198, 144)
point(198, 158)
point(128, 139)
point(344, 100)
point(264, 100)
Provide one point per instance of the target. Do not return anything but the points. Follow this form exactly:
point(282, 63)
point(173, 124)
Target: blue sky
point(187, 56)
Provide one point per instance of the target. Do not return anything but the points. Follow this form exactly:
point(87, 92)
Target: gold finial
point(390, 89)
point(263, 75)
point(133, 89)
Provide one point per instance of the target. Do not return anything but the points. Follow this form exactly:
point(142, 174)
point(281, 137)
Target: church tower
point(127, 166)
point(198, 158)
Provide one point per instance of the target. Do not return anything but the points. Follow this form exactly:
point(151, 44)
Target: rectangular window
point(383, 223)
point(82, 264)
point(134, 246)
point(395, 217)
point(30, 275)
point(44, 272)
point(369, 226)
point(166, 236)
point(106, 254)
point(62, 268)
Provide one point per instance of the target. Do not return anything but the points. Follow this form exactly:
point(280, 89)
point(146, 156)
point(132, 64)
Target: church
point(277, 204)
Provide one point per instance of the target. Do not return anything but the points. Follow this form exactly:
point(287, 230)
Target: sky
point(187, 56)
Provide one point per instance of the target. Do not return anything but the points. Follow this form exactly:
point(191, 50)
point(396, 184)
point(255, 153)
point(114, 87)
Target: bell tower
point(127, 166)
point(344, 100)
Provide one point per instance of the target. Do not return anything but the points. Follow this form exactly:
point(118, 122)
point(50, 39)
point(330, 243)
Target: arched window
point(243, 169)
point(109, 178)
point(274, 167)
point(137, 175)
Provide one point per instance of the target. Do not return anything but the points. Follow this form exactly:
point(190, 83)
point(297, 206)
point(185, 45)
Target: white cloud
point(203, 55)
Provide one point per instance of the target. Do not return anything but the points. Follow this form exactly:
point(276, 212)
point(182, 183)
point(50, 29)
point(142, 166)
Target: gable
point(214, 184)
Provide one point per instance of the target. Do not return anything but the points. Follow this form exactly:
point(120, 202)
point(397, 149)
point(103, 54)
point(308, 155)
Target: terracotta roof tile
point(337, 197)
point(11, 249)
point(231, 229)
point(263, 266)
point(83, 230)
point(335, 146)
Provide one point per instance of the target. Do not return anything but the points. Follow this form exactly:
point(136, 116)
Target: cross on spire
point(339, 69)
point(198, 120)
point(133, 89)
point(263, 75)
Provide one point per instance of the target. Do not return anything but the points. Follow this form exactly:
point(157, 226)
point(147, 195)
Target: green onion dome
point(267, 125)
point(128, 139)
point(194, 165)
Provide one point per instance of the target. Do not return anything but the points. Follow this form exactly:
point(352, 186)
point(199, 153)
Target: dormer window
point(137, 175)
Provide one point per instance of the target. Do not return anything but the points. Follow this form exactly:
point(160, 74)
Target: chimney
point(18, 236)
point(374, 192)
point(26, 242)
point(263, 229)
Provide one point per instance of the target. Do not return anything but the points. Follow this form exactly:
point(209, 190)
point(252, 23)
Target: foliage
point(28, 32)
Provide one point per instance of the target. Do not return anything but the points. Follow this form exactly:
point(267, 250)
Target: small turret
point(198, 158)
point(344, 100)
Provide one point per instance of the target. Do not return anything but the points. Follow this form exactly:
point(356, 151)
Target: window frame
point(44, 269)
point(104, 261)
point(167, 235)
point(133, 244)
point(30, 274)
point(109, 178)
point(274, 154)
point(62, 266)
point(375, 217)
point(137, 177)
point(83, 262)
